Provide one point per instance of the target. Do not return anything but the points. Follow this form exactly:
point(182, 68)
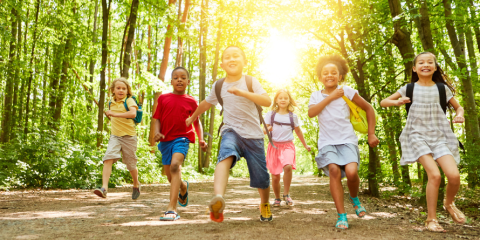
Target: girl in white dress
point(427, 136)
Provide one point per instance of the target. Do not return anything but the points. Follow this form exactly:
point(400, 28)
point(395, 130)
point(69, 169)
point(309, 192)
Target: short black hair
point(338, 60)
point(179, 67)
point(241, 51)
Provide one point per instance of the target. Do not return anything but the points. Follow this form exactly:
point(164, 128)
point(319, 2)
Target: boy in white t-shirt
point(242, 135)
point(338, 153)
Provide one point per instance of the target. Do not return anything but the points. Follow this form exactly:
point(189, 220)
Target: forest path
point(79, 214)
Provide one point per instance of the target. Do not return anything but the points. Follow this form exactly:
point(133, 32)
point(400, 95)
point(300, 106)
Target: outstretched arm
point(299, 133)
point(262, 100)
point(459, 111)
point(203, 107)
point(395, 99)
point(372, 139)
point(199, 131)
point(132, 112)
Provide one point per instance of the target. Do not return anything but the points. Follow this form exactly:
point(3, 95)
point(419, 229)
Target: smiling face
point(282, 100)
point(330, 76)
point(425, 65)
point(180, 81)
point(233, 61)
point(120, 90)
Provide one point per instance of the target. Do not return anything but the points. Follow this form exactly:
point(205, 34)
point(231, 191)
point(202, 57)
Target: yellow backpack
point(358, 117)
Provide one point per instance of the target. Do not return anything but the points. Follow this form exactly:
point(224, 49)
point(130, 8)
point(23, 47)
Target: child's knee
point(434, 178)
point(287, 168)
point(276, 178)
point(334, 170)
point(454, 178)
point(175, 168)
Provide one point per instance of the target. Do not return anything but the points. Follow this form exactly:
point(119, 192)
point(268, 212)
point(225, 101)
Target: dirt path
point(73, 214)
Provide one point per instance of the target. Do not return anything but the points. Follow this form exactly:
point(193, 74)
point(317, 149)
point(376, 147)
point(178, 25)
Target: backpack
point(138, 117)
point(443, 100)
point(290, 115)
point(248, 80)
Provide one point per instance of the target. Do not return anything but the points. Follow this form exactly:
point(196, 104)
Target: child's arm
point(459, 111)
point(372, 139)
point(316, 109)
point(299, 133)
point(203, 107)
point(132, 113)
point(395, 99)
point(199, 131)
point(158, 134)
point(262, 100)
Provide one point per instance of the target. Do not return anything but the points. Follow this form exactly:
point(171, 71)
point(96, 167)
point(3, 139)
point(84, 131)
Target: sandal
point(434, 227)
point(342, 221)
point(457, 215)
point(165, 218)
point(277, 202)
point(180, 197)
point(216, 206)
point(288, 200)
point(356, 203)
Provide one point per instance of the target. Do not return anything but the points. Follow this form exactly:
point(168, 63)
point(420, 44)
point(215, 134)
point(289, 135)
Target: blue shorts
point(252, 150)
point(179, 145)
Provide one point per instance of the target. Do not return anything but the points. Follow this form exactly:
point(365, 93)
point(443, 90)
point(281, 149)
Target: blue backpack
point(138, 117)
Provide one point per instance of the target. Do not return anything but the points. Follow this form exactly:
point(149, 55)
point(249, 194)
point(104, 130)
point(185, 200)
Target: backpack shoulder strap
point(443, 96)
point(109, 103)
point(272, 118)
point(409, 94)
point(125, 104)
point(218, 91)
point(248, 80)
point(290, 115)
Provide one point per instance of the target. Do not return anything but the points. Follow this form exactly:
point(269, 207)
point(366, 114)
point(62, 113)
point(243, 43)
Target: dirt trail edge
point(79, 214)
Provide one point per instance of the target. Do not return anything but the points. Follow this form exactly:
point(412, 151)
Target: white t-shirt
point(239, 113)
point(334, 119)
point(281, 133)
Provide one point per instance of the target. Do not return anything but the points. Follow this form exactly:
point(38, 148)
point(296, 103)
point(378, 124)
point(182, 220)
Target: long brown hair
point(291, 102)
point(123, 80)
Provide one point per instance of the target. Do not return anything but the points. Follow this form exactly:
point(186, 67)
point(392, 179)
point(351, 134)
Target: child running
point(281, 121)
point(338, 153)
point(123, 138)
point(427, 137)
point(172, 111)
point(242, 135)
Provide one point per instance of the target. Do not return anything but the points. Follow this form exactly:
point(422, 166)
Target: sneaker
point(266, 215)
point(216, 206)
point(101, 192)
point(136, 193)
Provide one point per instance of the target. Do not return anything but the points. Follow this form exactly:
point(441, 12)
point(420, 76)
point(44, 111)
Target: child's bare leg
point(134, 174)
point(220, 178)
point(176, 181)
point(287, 179)
point(433, 184)
point(276, 185)
point(336, 188)
point(107, 171)
point(353, 181)
point(449, 167)
point(264, 194)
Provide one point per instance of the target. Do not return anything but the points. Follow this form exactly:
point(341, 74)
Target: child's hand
point(158, 136)
point(235, 91)
point(270, 128)
point(459, 119)
point(189, 121)
point(338, 93)
point(373, 140)
point(109, 113)
point(403, 100)
point(203, 145)
point(308, 148)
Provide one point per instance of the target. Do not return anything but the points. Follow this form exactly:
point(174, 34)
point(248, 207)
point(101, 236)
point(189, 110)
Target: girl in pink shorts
point(281, 121)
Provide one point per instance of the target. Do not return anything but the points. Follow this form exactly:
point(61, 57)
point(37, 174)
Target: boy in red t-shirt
point(174, 136)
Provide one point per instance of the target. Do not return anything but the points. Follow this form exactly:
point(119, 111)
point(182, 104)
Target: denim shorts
point(179, 145)
point(252, 150)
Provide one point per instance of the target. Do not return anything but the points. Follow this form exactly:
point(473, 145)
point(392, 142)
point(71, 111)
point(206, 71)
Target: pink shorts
point(280, 157)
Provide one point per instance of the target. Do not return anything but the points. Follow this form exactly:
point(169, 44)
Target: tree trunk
point(94, 39)
point(101, 101)
point(179, 59)
point(203, 70)
point(27, 108)
point(471, 118)
point(131, 34)
point(7, 118)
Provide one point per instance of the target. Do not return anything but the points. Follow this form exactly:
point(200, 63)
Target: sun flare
point(280, 62)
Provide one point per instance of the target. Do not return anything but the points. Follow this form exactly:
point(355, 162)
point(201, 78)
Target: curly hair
point(291, 102)
point(123, 80)
point(338, 60)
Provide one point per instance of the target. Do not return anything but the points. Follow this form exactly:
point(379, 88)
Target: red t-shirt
point(172, 111)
